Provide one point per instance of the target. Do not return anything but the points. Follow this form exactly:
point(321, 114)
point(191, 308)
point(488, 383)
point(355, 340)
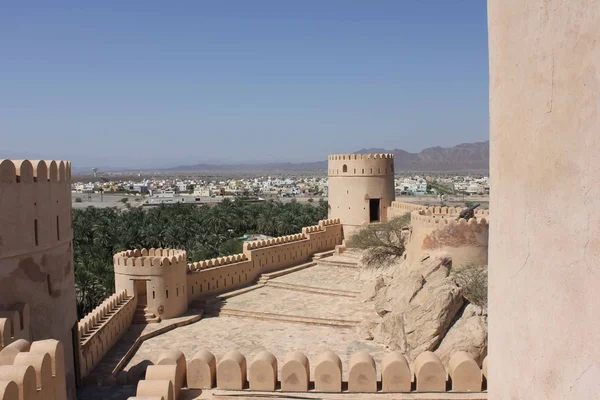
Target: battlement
point(26, 171)
point(342, 157)
point(149, 258)
point(167, 375)
point(361, 165)
point(36, 370)
point(429, 217)
point(217, 262)
point(15, 324)
point(275, 241)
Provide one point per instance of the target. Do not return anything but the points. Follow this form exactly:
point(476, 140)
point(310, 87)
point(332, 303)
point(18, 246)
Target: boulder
point(366, 329)
point(468, 334)
point(433, 310)
point(371, 289)
point(398, 293)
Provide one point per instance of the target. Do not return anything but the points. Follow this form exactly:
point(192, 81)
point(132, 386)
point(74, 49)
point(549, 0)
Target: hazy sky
point(141, 83)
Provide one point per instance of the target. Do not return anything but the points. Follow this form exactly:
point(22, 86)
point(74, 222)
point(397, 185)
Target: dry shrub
point(473, 279)
point(382, 243)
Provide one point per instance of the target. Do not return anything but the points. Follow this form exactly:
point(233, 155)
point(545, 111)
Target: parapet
point(344, 157)
point(148, 262)
point(14, 324)
point(273, 242)
point(424, 217)
point(233, 372)
point(217, 262)
point(26, 171)
point(148, 258)
point(34, 371)
point(361, 165)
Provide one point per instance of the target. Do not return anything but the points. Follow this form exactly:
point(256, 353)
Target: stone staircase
point(264, 316)
point(142, 315)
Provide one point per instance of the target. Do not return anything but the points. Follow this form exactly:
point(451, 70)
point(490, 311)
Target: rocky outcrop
point(421, 308)
point(469, 334)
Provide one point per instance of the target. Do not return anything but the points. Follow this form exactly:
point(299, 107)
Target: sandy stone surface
point(290, 302)
point(322, 276)
point(222, 334)
point(250, 336)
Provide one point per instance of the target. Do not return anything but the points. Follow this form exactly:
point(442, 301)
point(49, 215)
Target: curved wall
point(162, 275)
point(442, 235)
point(36, 257)
point(355, 179)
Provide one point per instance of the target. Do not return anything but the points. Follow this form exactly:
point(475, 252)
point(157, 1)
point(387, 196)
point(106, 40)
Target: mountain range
point(466, 156)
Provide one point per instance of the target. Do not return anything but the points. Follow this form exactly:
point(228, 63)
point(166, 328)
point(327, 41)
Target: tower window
point(49, 284)
point(345, 168)
point(57, 228)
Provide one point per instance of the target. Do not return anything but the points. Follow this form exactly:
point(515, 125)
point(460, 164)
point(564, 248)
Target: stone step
point(312, 289)
point(340, 323)
point(334, 262)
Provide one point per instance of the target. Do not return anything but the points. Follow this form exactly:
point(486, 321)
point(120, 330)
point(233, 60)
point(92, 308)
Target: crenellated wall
point(234, 372)
point(36, 256)
point(33, 371)
point(400, 208)
point(355, 180)
point(103, 327)
point(15, 324)
point(437, 232)
point(156, 276)
point(224, 274)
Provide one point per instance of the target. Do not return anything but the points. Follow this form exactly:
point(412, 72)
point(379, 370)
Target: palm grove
point(204, 232)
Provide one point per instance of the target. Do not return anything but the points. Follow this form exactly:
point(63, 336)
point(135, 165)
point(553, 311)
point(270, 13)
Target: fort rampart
point(224, 274)
point(103, 327)
point(36, 255)
point(173, 372)
point(33, 371)
point(438, 232)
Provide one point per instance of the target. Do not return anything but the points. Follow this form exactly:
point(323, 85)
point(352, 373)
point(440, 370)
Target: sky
point(152, 84)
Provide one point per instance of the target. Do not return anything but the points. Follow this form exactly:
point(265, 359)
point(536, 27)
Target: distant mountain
point(466, 156)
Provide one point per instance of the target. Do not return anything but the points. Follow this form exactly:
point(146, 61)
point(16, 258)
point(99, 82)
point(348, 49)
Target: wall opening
point(49, 284)
point(57, 228)
point(374, 210)
point(35, 231)
point(345, 168)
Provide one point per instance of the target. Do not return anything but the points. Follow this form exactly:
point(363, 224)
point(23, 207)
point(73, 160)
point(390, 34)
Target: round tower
point(36, 255)
point(157, 277)
point(361, 188)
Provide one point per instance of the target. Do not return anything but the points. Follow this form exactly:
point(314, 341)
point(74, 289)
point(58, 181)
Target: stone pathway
point(250, 335)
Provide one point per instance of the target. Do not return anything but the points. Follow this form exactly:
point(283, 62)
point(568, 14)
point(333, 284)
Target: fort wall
point(354, 180)
point(36, 256)
point(229, 273)
point(235, 372)
point(103, 327)
point(436, 232)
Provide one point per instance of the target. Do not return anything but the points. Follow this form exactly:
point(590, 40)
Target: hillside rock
point(417, 305)
point(468, 334)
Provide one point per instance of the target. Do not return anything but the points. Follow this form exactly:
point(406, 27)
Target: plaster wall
point(353, 180)
point(36, 256)
point(164, 273)
point(544, 266)
point(441, 235)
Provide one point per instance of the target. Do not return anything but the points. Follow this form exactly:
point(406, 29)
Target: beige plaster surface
point(544, 260)
point(250, 336)
point(323, 276)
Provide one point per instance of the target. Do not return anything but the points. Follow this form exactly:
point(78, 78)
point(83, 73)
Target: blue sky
point(153, 83)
